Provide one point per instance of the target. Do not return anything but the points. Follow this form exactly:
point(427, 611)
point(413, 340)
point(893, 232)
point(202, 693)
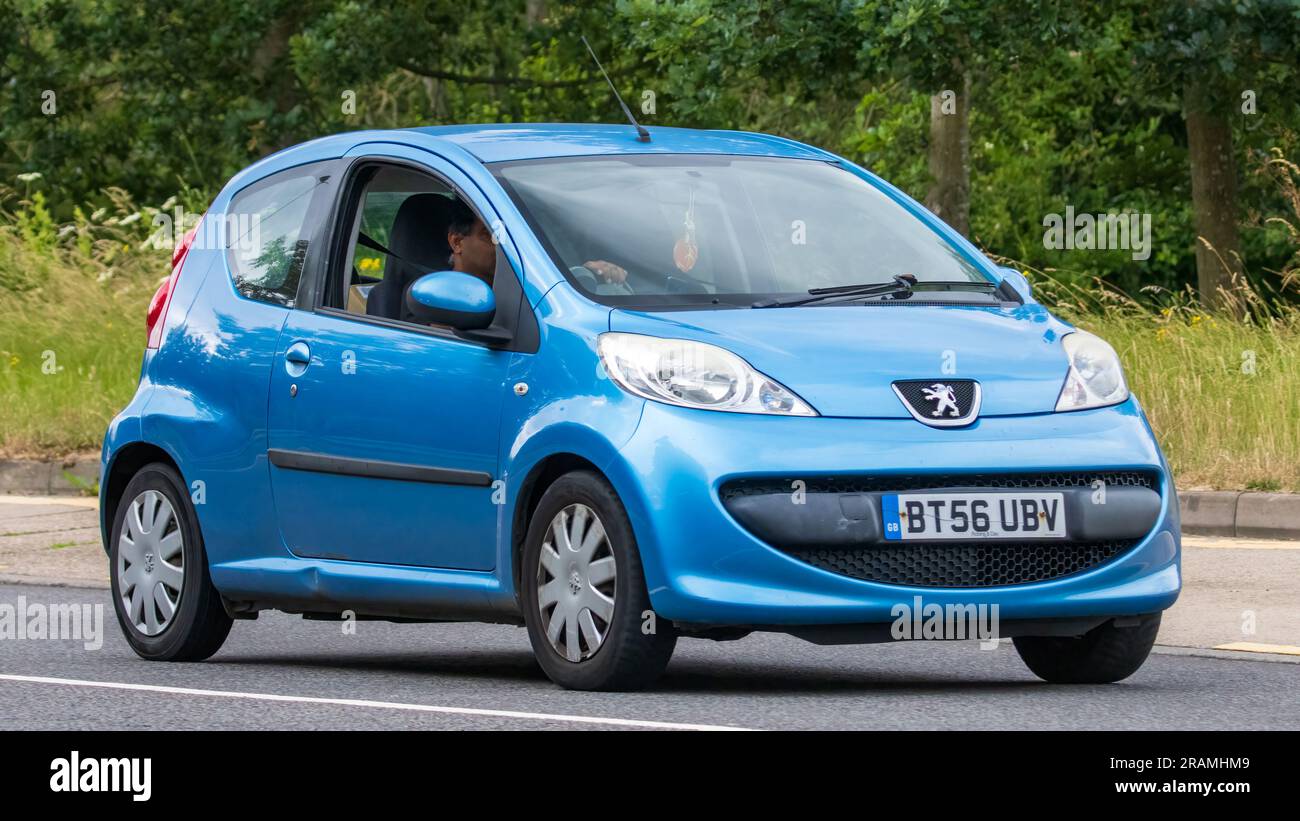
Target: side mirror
point(1018, 281)
point(461, 301)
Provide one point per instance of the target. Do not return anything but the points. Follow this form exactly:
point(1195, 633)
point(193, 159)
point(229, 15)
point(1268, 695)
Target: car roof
point(499, 142)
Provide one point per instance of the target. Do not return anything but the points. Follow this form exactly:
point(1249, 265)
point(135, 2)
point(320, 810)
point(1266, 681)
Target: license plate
point(973, 516)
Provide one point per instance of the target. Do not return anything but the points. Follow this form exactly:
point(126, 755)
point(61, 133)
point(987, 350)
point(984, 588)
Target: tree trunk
point(1214, 198)
point(270, 71)
point(949, 194)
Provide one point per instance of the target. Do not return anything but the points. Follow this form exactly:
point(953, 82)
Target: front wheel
point(1102, 655)
point(584, 593)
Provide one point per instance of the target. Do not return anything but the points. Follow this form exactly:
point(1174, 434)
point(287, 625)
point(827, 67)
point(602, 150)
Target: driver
point(474, 252)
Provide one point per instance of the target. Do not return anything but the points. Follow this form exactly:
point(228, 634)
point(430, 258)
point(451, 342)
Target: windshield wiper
point(901, 284)
point(902, 287)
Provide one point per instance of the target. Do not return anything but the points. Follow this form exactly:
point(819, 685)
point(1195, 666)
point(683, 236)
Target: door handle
point(296, 358)
point(298, 353)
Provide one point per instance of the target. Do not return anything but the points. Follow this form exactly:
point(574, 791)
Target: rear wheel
point(1102, 655)
point(162, 592)
point(584, 594)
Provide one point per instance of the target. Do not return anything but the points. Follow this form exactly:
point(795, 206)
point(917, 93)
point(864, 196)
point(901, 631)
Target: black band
point(372, 469)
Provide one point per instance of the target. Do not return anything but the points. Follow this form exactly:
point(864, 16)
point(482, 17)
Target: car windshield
point(663, 230)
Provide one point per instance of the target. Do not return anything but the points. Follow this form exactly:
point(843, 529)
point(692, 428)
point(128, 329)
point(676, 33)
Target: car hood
point(843, 359)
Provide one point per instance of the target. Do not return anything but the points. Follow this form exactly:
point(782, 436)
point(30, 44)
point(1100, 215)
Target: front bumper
point(702, 566)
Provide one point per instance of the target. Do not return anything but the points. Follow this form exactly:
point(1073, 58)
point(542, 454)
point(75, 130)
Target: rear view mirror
point(459, 300)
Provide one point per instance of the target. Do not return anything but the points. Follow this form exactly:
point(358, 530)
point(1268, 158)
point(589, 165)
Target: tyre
point(1102, 655)
point(584, 592)
point(162, 591)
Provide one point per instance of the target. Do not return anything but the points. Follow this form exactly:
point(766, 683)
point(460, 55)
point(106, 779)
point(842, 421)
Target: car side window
point(269, 234)
point(400, 234)
point(392, 228)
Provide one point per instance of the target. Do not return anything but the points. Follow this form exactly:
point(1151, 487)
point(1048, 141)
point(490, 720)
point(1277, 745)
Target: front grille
point(882, 483)
point(948, 563)
point(984, 564)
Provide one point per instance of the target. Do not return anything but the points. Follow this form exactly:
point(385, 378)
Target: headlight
point(1095, 377)
point(693, 375)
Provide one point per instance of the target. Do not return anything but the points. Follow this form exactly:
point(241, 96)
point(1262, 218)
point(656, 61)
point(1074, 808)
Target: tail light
point(162, 298)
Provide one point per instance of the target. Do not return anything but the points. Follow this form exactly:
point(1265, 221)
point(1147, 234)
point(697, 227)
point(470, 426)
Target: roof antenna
point(641, 134)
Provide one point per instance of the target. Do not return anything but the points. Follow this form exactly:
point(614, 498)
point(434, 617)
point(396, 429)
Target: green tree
point(950, 49)
point(154, 94)
point(731, 60)
point(1217, 59)
point(788, 68)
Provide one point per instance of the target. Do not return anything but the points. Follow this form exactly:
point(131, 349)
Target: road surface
point(281, 672)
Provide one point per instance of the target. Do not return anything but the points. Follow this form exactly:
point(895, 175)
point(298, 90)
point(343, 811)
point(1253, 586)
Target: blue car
point(623, 391)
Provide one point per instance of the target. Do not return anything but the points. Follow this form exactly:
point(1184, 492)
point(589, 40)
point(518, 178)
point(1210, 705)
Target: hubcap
point(575, 583)
point(150, 563)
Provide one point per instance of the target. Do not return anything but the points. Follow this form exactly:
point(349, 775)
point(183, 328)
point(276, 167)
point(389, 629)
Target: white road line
point(356, 702)
point(1260, 647)
point(1226, 543)
point(1227, 655)
point(67, 501)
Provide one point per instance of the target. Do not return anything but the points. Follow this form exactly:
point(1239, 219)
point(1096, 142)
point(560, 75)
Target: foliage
point(108, 103)
point(1074, 104)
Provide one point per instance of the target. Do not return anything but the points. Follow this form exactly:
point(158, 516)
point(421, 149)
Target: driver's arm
point(607, 271)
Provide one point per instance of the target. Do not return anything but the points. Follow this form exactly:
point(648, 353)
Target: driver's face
point(475, 252)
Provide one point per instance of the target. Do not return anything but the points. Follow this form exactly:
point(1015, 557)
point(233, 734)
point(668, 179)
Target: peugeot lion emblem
point(950, 403)
point(944, 398)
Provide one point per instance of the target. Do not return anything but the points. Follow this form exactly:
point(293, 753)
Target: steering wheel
point(594, 283)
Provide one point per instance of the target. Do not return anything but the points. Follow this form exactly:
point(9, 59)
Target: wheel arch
point(539, 478)
point(126, 462)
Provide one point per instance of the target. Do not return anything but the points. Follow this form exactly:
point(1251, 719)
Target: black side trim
point(371, 469)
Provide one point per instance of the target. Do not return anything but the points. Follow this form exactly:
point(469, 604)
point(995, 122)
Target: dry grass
point(71, 340)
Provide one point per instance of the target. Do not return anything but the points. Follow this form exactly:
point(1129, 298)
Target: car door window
point(398, 233)
point(391, 229)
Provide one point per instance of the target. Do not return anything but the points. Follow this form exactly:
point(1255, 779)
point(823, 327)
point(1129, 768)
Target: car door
point(383, 434)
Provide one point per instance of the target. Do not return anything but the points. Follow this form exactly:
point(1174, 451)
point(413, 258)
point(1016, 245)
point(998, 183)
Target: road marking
point(1260, 647)
point(356, 702)
point(70, 501)
point(1226, 543)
